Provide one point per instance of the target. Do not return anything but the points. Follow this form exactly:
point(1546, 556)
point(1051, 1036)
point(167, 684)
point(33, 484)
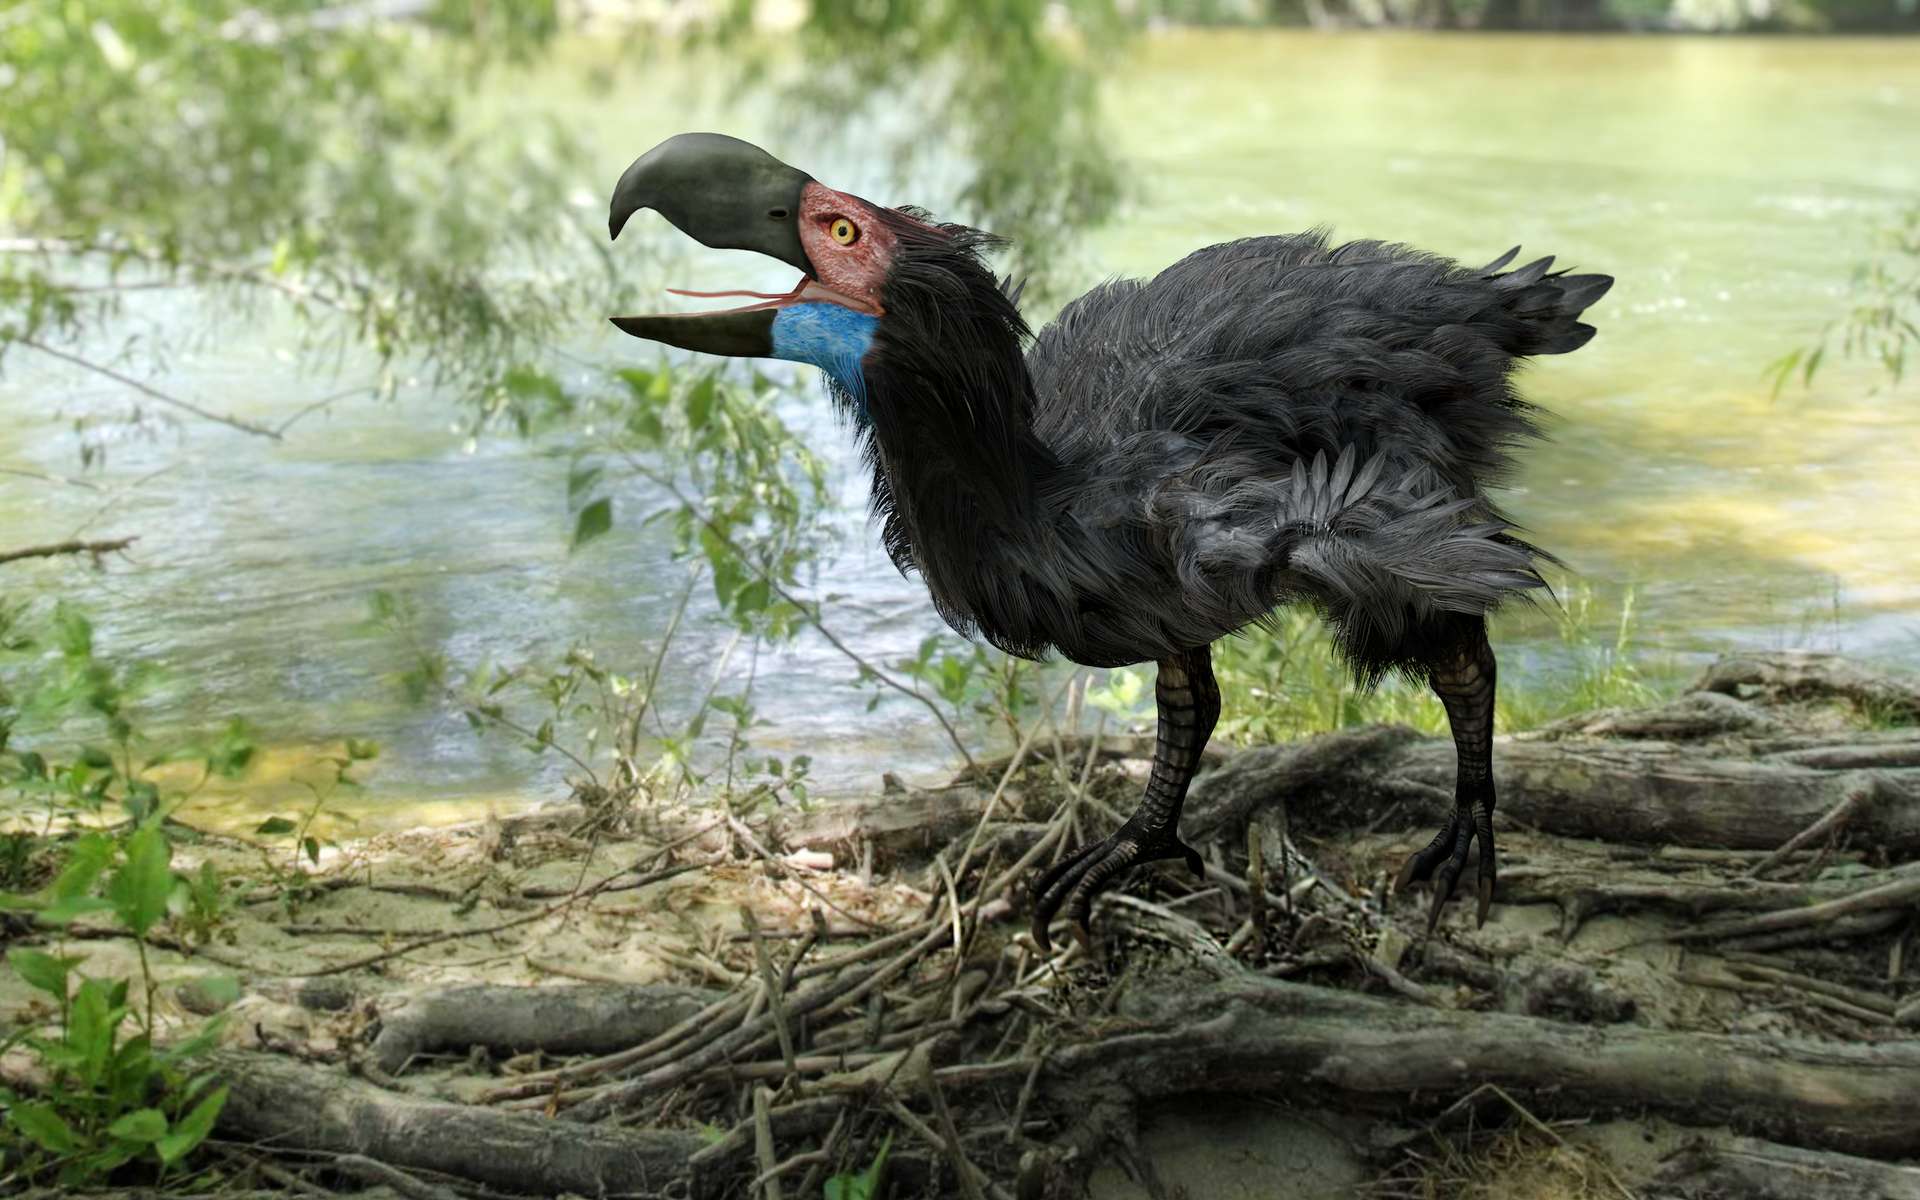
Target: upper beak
point(720, 191)
point(730, 195)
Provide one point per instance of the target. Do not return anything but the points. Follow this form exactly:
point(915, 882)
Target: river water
point(1730, 184)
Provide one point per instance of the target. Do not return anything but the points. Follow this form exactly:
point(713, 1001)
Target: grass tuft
point(1291, 683)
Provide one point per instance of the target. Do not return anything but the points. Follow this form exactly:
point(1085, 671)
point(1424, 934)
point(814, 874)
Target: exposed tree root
point(1735, 795)
point(593, 1019)
point(285, 1104)
point(1803, 675)
point(1257, 1034)
point(1755, 1170)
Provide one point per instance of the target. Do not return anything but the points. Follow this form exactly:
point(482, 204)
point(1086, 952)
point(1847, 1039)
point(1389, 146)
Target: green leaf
point(595, 519)
point(361, 749)
point(139, 889)
point(528, 384)
point(580, 481)
point(93, 1020)
point(866, 1184)
point(141, 1125)
point(88, 858)
point(73, 630)
point(47, 972)
point(275, 826)
point(234, 751)
point(700, 403)
point(46, 1127)
point(69, 908)
point(191, 1129)
point(312, 846)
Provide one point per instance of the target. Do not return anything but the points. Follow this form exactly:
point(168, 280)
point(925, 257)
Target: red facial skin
point(857, 269)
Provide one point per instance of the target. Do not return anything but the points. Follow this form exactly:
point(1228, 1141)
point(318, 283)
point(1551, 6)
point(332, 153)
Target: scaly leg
point(1463, 678)
point(1189, 704)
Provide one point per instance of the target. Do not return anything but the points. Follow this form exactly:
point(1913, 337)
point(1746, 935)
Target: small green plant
point(201, 901)
point(1883, 322)
point(973, 681)
point(864, 1184)
point(110, 1095)
point(1124, 696)
point(17, 855)
point(301, 831)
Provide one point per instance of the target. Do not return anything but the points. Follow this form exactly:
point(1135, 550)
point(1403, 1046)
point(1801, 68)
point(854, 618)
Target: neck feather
point(959, 477)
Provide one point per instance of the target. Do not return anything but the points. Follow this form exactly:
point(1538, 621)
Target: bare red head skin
point(850, 246)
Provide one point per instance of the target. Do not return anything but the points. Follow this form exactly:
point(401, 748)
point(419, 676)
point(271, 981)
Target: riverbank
point(1697, 976)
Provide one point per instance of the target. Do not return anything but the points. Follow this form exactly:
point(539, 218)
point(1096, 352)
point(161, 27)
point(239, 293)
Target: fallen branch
point(1803, 675)
point(1900, 893)
point(71, 546)
point(1255, 1034)
point(592, 1019)
point(1759, 1170)
point(1832, 823)
point(1732, 794)
point(290, 1106)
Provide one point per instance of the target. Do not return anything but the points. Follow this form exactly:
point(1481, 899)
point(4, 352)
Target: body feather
point(1267, 421)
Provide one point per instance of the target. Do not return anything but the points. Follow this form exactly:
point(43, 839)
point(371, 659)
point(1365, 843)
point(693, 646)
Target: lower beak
point(732, 334)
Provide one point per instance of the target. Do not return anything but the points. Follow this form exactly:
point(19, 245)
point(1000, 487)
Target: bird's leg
point(1463, 678)
point(1189, 704)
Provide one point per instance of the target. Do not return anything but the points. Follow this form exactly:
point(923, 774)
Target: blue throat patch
point(830, 337)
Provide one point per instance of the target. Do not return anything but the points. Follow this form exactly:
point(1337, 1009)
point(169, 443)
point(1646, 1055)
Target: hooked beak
point(730, 195)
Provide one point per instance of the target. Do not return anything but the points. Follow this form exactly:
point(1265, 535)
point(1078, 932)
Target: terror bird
point(1268, 421)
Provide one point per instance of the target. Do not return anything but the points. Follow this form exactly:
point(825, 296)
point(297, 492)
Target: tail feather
point(1548, 304)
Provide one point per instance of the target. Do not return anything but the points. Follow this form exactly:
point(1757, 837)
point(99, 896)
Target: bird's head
point(868, 273)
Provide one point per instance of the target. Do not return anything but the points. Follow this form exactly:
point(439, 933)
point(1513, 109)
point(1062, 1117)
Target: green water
point(1729, 184)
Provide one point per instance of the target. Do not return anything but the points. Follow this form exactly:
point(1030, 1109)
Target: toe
point(1442, 892)
point(1420, 864)
point(1489, 870)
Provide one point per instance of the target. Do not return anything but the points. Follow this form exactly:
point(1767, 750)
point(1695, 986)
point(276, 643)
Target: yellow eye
point(844, 231)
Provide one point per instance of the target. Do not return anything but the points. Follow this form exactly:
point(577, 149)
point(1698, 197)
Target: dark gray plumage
point(1267, 421)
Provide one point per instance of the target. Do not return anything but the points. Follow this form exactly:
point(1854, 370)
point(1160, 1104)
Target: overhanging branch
point(150, 391)
point(73, 546)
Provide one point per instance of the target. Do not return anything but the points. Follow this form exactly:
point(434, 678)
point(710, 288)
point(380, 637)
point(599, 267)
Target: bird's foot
point(1076, 879)
point(1445, 857)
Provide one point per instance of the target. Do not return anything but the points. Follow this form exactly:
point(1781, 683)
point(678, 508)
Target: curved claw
point(1074, 881)
point(1445, 858)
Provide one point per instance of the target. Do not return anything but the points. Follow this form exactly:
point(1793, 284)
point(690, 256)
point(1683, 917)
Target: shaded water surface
point(1728, 183)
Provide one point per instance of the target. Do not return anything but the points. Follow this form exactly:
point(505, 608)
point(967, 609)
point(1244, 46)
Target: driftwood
point(1255, 1034)
point(285, 1104)
point(1734, 792)
point(590, 1019)
point(1757, 1170)
point(1802, 675)
point(1581, 891)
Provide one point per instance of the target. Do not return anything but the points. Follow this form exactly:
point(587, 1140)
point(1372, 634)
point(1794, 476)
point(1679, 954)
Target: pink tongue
point(717, 295)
